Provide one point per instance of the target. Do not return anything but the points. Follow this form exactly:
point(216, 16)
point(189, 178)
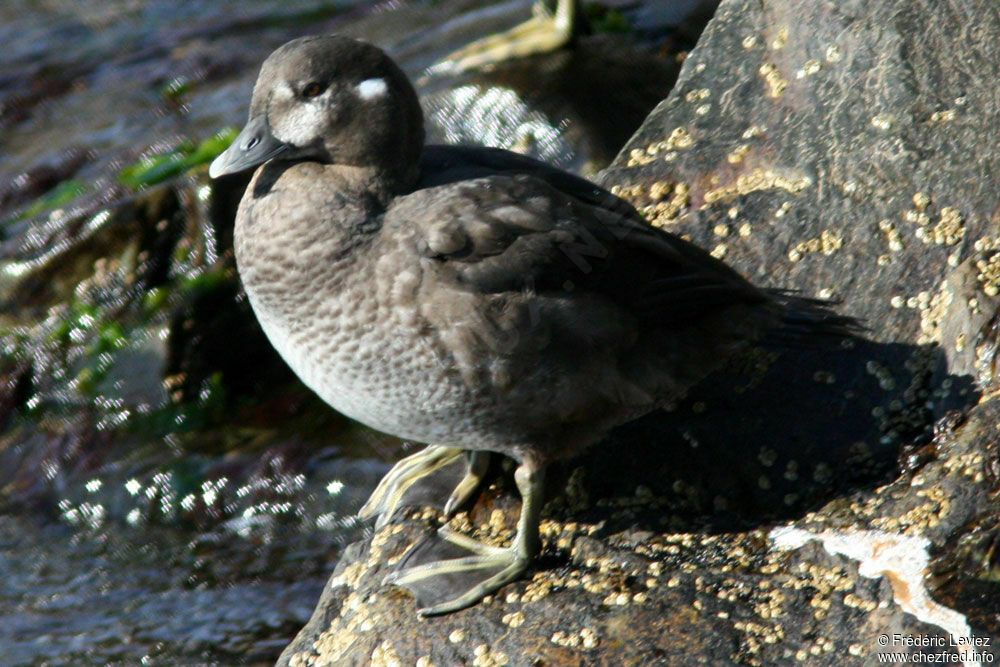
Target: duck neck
point(381, 184)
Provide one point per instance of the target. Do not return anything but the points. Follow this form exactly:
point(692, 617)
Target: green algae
point(61, 194)
point(155, 169)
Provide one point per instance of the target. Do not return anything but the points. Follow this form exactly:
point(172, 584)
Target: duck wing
point(537, 282)
point(502, 221)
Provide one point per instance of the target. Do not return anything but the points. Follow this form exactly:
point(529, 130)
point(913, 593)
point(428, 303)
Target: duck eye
point(312, 89)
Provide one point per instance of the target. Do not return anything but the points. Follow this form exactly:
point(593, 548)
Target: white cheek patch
point(369, 89)
point(302, 124)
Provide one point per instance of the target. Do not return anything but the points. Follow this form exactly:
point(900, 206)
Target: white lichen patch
point(902, 560)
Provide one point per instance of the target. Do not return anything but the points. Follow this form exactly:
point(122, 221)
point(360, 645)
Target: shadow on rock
point(751, 447)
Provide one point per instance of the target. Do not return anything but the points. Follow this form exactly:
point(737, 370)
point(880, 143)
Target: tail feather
point(807, 321)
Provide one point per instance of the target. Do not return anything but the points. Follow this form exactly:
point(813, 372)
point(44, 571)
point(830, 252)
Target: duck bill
point(254, 145)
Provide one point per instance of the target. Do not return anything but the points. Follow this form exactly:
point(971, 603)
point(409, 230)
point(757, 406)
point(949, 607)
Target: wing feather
point(534, 277)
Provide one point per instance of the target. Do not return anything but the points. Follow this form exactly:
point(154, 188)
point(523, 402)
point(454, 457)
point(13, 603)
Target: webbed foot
point(390, 491)
point(545, 31)
point(447, 579)
point(508, 562)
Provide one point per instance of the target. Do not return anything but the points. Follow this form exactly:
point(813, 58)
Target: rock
point(607, 592)
point(805, 502)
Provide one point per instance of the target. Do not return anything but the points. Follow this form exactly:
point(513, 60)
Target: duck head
point(334, 100)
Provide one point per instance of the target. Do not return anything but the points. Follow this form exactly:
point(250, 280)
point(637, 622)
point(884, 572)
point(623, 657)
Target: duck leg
point(545, 31)
point(479, 463)
point(512, 561)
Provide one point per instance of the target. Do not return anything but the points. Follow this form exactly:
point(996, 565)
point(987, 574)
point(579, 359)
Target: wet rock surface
point(805, 502)
point(614, 586)
point(173, 491)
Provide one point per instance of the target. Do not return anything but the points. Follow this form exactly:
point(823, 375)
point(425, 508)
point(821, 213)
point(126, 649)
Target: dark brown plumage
point(467, 297)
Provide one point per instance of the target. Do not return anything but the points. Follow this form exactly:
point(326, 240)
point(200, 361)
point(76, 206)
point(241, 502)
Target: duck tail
point(808, 321)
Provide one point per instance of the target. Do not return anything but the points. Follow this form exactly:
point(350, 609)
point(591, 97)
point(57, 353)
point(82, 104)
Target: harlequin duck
point(468, 297)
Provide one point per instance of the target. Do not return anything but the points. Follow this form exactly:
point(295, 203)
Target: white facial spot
point(369, 89)
point(300, 125)
point(284, 91)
